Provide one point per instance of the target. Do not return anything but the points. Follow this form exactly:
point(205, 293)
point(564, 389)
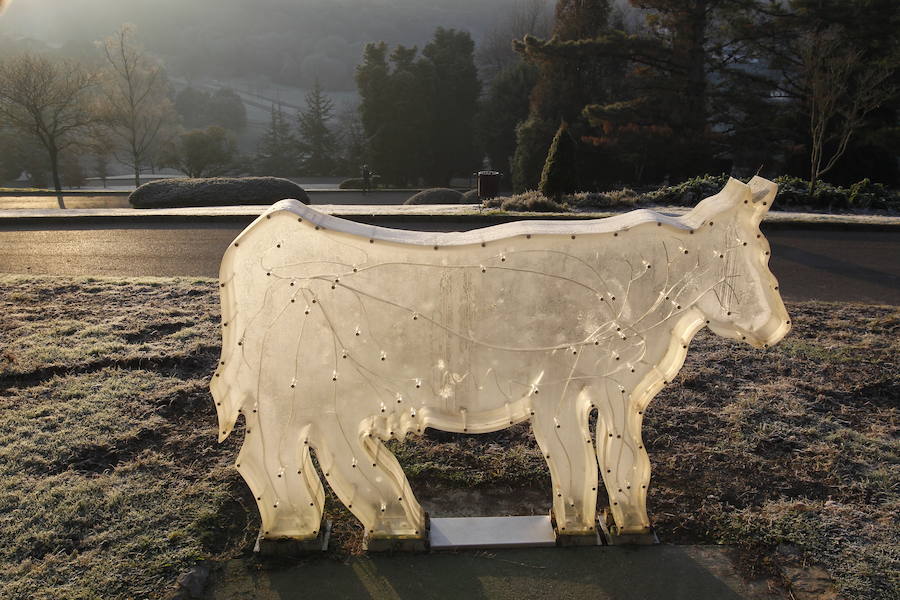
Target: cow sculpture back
point(339, 336)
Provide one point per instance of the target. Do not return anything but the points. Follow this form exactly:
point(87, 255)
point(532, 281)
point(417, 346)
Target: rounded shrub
point(470, 197)
point(436, 196)
point(215, 191)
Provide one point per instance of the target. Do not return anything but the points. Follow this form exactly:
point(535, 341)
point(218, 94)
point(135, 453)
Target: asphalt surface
point(585, 573)
point(811, 264)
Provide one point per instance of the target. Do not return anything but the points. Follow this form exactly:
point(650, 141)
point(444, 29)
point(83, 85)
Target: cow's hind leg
point(368, 480)
point(562, 432)
point(275, 463)
point(624, 463)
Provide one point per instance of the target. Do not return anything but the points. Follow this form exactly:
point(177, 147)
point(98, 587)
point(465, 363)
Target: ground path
point(851, 262)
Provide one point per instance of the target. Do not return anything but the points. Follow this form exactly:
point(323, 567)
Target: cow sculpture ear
point(762, 192)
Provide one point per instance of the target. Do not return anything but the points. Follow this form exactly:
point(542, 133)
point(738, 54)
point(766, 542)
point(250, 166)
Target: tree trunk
point(814, 168)
point(54, 168)
point(137, 170)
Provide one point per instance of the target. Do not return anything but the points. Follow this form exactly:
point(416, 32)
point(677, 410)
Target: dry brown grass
point(111, 482)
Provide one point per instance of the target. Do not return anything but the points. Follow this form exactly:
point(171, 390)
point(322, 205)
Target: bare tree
point(137, 106)
point(50, 101)
point(840, 87)
point(523, 17)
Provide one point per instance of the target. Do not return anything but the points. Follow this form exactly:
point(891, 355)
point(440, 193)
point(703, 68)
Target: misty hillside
point(288, 42)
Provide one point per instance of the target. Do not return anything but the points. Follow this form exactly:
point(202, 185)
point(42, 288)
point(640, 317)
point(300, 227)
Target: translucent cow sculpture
point(339, 336)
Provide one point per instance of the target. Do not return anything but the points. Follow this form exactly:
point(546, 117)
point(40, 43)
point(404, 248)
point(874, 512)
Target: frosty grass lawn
point(112, 483)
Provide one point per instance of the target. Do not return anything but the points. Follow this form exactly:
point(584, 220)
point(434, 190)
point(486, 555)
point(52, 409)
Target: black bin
point(488, 184)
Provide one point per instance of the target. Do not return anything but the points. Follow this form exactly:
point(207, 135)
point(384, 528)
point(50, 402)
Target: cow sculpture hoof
point(338, 337)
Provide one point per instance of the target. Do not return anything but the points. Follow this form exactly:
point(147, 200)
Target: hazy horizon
point(289, 42)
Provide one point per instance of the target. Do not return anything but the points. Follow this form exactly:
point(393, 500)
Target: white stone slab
point(491, 532)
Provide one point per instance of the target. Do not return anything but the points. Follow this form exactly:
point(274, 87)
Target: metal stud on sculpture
point(341, 336)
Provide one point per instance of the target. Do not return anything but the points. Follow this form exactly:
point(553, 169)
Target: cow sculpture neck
point(339, 336)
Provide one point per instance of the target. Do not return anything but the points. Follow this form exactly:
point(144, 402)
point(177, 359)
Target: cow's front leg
point(624, 463)
point(561, 430)
point(368, 480)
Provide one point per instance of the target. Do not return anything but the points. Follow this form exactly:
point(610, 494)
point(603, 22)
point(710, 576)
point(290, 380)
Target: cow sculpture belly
point(339, 336)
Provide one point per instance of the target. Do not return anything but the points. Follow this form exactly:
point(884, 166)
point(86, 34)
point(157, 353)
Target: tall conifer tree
point(276, 152)
point(318, 144)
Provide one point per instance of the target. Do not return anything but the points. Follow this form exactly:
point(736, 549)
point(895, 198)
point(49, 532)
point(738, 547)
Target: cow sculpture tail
point(228, 399)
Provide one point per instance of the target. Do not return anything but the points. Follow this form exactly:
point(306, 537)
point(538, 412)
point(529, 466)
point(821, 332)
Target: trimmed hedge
point(436, 196)
point(215, 191)
point(471, 197)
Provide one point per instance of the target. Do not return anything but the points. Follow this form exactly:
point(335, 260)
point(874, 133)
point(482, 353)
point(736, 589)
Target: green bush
point(354, 183)
point(530, 201)
point(686, 193)
point(793, 193)
point(865, 194)
point(624, 198)
point(470, 197)
point(558, 176)
point(436, 196)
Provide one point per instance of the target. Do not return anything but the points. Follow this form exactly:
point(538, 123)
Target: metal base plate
point(621, 539)
point(588, 539)
point(491, 532)
point(290, 547)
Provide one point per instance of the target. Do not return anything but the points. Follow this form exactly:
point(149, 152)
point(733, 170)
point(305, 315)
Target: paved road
point(850, 265)
point(318, 194)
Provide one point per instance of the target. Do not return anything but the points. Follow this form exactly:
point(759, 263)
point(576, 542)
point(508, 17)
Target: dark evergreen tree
point(351, 142)
point(375, 110)
point(452, 105)
point(418, 111)
point(570, 76)
point(558, 176)
point(318, 144)
point(276, 153)
point(408, 127)
point(685, 87)
point(501, 111)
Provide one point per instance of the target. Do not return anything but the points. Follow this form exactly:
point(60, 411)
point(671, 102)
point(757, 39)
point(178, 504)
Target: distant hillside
point(289, 42)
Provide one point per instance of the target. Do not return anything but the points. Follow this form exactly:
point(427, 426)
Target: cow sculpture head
point(751, 313)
